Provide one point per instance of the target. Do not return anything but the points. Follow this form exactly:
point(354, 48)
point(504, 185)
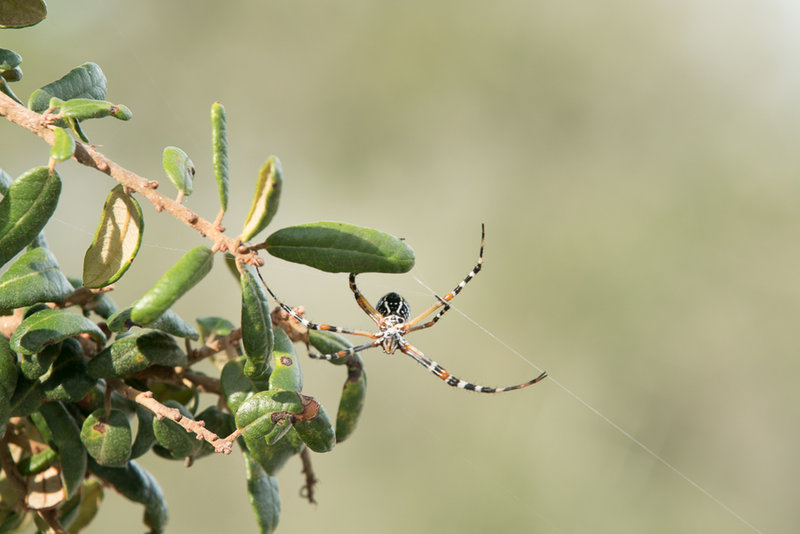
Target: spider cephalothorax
point(392, 317)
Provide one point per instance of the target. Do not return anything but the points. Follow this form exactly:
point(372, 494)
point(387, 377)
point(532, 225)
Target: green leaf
point(67, 442)
point(34, 277)
point(5, 182)
point(8, 382)
point(173, 436)
point(262, 490)
point(352, 402)
point(135, 353)
point(169, 322)
point(69, 380)
point(179, 279)
point(219, 422)
point(179, 169)
point(236, 387)
point(84, 81)
point(89, 108)
point(116, 240)
point(341, 248)
point(219, 152)
point(137, 485)
point(11, 75)
point(21, 13)
point(257, 336)
point(34, 366)
point(314, 427)
point(48, 327)
point(265, 199)
point(26, 208)
point(4, 88)
point(63, 145)
point(286, 373)
point(27, 397)
point(9, 59)
point(107, 438)
point(267, 414)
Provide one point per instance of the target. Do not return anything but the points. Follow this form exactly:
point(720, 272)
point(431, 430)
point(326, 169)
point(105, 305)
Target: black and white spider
point(392, 316)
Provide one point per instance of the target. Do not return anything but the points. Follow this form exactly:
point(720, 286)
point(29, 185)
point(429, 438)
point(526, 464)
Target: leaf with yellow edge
point(265, 199)
point(116, 240)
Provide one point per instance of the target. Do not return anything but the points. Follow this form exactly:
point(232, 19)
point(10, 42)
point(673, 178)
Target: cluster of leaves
point(87, 387)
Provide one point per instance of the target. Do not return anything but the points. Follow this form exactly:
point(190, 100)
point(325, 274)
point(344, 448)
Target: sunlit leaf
point(341, 248)
point(179, 169)
point(88, 108)
point(63, 145)
point(265, 199)
point(286, 373)
point(219, 152)
point(180, 278)
point(25, 209)
point(169, 322)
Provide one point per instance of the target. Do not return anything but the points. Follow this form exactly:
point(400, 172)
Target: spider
point(392, 316)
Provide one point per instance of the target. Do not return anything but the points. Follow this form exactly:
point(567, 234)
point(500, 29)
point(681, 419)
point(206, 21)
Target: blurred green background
point(636, 166)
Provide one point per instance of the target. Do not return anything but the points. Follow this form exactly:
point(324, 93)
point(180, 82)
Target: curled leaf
point(341, 248)
point(257, 335)
point(116, 240)
point(286, 373)
point(88, 108)
point(135, 353)
point(180, 278)
point(219, 152)
point(265, 199)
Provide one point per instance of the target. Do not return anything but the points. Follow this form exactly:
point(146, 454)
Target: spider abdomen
point(393, 304)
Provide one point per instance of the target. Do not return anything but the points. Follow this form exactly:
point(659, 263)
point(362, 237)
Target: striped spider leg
point(392, 317)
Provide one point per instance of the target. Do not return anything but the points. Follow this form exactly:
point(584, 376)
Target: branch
point(145, 398)
point(87, 155)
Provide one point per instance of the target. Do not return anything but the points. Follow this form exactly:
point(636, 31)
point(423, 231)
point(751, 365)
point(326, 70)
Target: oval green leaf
point(22, 13)
point(180, 278)
point(88, 108)
point(219, 152)
point(107, 438)
point(135, 353)
point(84, 81)
point(48, 327)
point(8, 381)
point(315, 428)
point(262, 490)
point(34, 277)
point(267, 414)
point(26, 208)
point(34, 366)
point(329, 343)
point(265, 199)
point(145, 438)
point(257, 335)
point(341, 248)
point(286, 373)
point(272, 458)
point(116, 240)
point(9, 59)
point(179, 169)
point(63, 145)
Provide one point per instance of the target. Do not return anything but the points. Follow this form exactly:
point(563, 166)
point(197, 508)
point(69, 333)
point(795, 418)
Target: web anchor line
point(605, 418)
